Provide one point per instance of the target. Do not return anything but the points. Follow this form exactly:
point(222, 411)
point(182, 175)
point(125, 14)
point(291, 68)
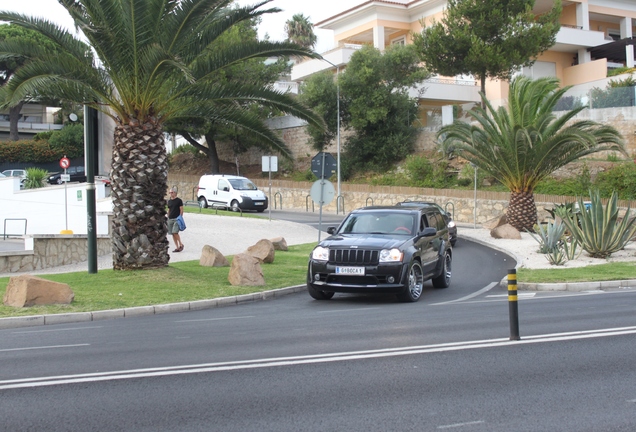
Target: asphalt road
point(356, 363)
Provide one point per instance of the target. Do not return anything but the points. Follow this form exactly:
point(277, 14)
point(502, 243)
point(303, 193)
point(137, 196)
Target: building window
point(399, 41)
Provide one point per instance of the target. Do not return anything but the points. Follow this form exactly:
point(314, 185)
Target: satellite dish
point(72, 117)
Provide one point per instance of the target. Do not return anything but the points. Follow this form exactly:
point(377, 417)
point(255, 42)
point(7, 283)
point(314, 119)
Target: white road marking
point(456, 425)
point(309, 359)
point(216, 319)
point(348, 310)
point(56, 330)
point(487, 288)
point(43, 347)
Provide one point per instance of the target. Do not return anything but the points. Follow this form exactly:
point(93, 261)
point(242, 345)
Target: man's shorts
point(173, 226)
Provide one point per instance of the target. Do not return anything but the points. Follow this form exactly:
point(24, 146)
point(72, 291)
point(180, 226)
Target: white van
point(231, 192)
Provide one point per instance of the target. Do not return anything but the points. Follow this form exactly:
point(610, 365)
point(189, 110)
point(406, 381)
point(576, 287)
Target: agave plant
point(598, 228)
point(548, 236)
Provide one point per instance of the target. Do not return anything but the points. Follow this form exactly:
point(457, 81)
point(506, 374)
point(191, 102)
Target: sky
point(272, 24)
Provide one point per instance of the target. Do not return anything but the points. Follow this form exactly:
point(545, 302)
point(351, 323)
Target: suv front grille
point(353, 256)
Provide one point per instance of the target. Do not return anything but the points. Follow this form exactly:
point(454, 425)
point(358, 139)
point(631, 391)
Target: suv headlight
point(391, 255)
point(320, 253)
point(451, 224)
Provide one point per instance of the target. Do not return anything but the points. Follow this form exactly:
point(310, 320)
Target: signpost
point(65, 163)
point(323, 165)
point(270, 163)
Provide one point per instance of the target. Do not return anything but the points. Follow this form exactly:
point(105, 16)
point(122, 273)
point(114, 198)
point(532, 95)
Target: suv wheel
point(414, 285)
point(443, 280)
point(317, 294)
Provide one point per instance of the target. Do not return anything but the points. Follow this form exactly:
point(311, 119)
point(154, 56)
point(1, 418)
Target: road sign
point(322, 190)
point(330, 165)
point(65, 163)
point(65, 177)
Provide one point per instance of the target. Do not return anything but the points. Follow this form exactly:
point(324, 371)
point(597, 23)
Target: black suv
point(450, 223)
point(383, 250)
point(76, 174)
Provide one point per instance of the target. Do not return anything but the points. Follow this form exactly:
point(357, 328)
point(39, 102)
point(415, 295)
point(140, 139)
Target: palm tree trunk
point(522, 211)
point(14, 118)
point(139, 178)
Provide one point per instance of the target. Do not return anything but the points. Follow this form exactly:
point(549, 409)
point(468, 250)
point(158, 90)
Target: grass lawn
point(188, 281)
point(179, 282)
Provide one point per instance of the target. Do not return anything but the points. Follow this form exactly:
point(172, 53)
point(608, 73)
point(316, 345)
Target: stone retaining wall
point(46, 251)
point(461, 203)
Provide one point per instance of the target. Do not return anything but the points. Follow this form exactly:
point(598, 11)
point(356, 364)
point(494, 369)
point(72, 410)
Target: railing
point(4, 231)
point(32, 126)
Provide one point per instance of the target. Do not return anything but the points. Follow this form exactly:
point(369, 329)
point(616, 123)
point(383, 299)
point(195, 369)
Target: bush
point(26, 151)
point(186, 148)
point(620, 179)
point(35, 178)
point(69, 140)
point(422, 173)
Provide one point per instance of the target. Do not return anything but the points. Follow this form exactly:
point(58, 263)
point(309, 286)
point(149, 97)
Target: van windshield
point(242, 184)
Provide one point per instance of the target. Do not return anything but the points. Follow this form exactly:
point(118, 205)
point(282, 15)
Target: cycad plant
point(598, 228)
point(524, 143)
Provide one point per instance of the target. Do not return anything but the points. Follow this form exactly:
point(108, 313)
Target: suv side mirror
point(331, 230)
point(429, 232)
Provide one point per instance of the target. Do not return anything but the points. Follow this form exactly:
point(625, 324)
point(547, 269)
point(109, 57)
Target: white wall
point(45, 209)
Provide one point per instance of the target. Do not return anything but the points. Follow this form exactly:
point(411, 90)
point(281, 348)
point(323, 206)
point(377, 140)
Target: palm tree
point(526, 142)
point(301, 31)
point(156, 61)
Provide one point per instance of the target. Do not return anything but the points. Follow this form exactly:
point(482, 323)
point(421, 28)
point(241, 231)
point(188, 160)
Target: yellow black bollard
point(512, 305)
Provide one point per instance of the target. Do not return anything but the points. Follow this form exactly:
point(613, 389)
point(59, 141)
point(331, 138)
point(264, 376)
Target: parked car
point(15, 173)
point(76, 173)
point(232, 192)
point(450, 223)
point(383, 250)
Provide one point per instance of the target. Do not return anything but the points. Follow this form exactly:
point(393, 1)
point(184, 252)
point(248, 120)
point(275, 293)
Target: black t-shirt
point(174, 208)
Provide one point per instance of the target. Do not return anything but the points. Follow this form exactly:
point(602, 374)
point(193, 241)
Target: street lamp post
point(338, 196)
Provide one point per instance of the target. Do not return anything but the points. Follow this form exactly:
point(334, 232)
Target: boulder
point(263, 250)
point(211, 257)
point(246, 270)
point(279, 243)
point(495, 222)
point(505, 231)
point(27, 290)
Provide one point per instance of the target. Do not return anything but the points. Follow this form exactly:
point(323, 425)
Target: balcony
point(338, 56)
point(571, 39)
point(30, 127)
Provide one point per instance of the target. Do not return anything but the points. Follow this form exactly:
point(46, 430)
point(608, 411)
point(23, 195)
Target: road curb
point(195, 305)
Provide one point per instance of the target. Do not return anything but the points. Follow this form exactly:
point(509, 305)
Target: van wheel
point(203, 203)
point(235, 206)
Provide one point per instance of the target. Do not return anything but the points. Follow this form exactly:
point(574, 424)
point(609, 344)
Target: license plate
point(350, 270)
point(258, 203)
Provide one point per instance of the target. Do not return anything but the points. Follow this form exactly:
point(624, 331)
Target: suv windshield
point(378, 223)
point(242, 184)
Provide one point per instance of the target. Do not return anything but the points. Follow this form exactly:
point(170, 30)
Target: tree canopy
point(487, 38)
point(375, 105)
point(301, 31)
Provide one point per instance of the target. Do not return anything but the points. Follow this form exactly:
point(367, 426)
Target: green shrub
point(620, 179)
point(69, 140)
point(35, 178)
point(186, 148)
point(27, 151)
point(422, 173)
point(43, 136)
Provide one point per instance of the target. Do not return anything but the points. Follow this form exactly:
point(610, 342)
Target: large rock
point(211, 257)
point(279, 243)
point(246, 270)
point(495, 222)
point(505, 231)
point(263, 250)
point(27, 290)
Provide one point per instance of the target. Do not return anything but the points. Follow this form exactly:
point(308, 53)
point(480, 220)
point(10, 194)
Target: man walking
point(175, 209)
